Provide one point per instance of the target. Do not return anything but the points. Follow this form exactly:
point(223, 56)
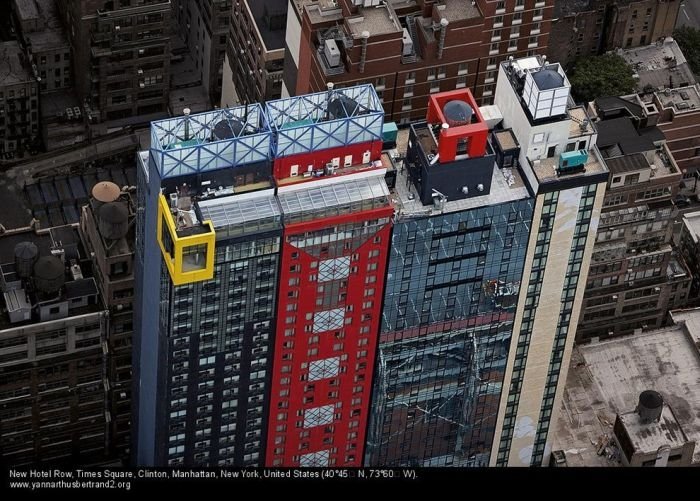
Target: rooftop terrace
point(506, 185)
point(680, 100)
point(546, 168)
point(659, 65)
point(325, 119)
point(379, 20)
point(210, 141)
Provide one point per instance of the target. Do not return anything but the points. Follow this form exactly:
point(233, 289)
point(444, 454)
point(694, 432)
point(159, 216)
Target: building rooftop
point(506, 185)
point(692, 222)
point(242, 213)
point(12, 69)
point(48, 40)
point(457, 10)
point(659, 65)
point(378, 20)
point(546, 168)
point(267, 15)
point(620, 133)
point(648, 437)
point(572, 7)
point(606, 378)
point(506, 139)
point(336, 196)
point(26, 10)
point(680, 100)
point(580, 124)
point(78, 286)
point(320, 11)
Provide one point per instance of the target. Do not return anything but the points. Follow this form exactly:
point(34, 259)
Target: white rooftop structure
point(546, 91)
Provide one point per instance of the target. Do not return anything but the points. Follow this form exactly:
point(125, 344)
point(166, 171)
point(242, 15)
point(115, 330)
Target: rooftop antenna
point(186, 111)
point(329, 96)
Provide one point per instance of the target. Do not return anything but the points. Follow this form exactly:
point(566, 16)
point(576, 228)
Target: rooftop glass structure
point(324, 120)
point(217, 139)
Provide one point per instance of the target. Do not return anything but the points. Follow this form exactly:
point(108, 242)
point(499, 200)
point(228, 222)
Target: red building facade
point(337, 229)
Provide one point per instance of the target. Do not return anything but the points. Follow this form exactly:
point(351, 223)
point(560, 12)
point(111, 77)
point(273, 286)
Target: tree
point(688, 40)
point(599, 76)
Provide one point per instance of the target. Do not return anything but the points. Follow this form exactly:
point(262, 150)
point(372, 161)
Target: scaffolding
point(213, 140)
point(331, 119)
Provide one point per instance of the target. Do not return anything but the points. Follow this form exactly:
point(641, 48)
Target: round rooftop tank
point(650, 406)
point(227, 129)
point(26, 254)
point(548, 79)
point(114, 220)
point(105, 192)
point(49, 274)
point(341, 107)
point(458, 113)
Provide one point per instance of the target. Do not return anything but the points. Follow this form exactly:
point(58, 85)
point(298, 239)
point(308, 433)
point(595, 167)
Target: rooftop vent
point(227, 129)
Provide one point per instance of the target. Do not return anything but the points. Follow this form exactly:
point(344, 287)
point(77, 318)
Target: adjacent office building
point(633, 398)
point(456, 260)
point(583, 28)
point(560, 160)
point(636, 275)
point(689, 247)
point(53, 331)
point(255, 52)
point(207, 260)
point(121, 57)
point(409, 50)
point(204, 26)
point(19, 99)
point(107, 234)
point(46, 43)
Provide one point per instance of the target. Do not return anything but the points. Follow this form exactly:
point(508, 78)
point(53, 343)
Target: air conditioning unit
point(139, 71)
point(117, 28)
point(141, 51)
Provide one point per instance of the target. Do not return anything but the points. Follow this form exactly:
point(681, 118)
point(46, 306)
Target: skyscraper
point(486, 274)
point(261, 246)
point(337, 227)
point(208, 240)
point(566, 173)
point(457, 256)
